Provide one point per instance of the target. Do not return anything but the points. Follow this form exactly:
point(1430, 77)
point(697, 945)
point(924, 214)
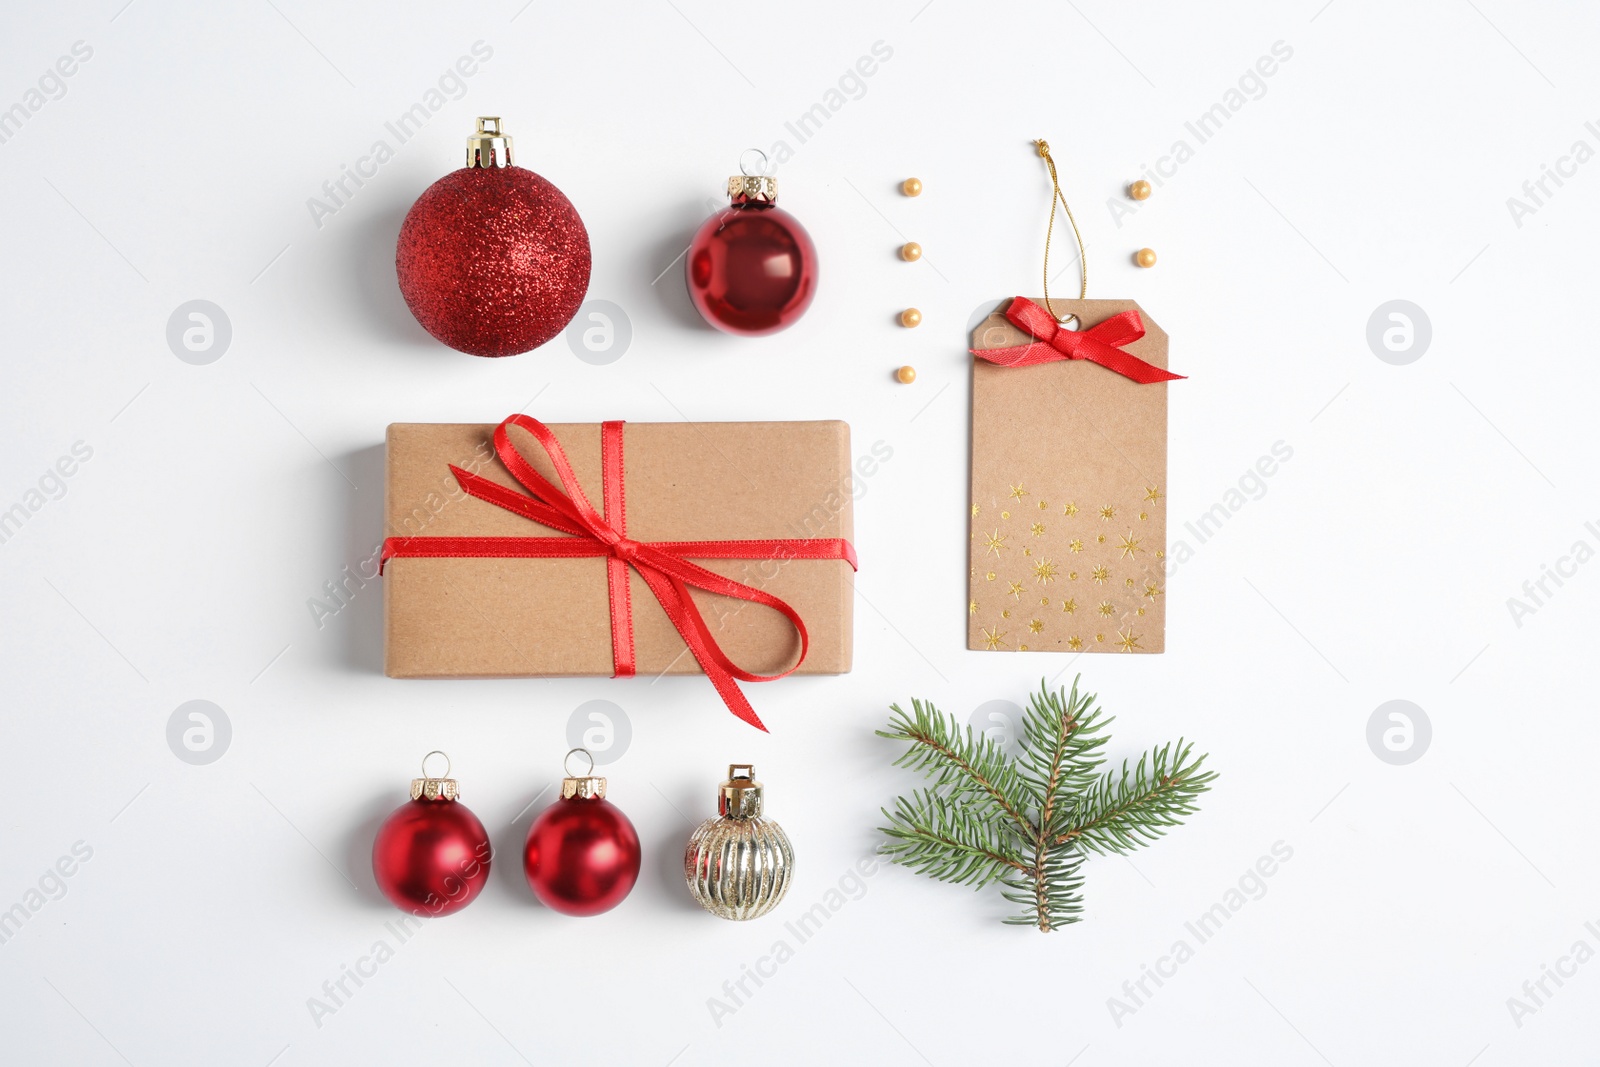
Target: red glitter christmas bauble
point(582, 856)
point(752, 268)
point(431, 857)
point(493, 260)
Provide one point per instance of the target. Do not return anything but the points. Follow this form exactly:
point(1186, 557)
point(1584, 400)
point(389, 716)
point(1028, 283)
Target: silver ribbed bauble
point(738, 865)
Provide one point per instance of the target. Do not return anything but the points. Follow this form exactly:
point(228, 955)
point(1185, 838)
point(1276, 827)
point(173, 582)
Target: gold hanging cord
point(1083, 262)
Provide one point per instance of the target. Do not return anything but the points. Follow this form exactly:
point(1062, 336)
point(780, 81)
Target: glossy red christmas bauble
point(582, 856)
point(431, 857)
point(493, 261)
point(752, 269)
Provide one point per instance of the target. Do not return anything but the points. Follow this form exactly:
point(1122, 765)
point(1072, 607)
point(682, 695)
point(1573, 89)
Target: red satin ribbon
point(1100, 344)
point(664, 565)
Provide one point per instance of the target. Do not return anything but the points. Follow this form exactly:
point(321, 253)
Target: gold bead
point(910, 317)
point(911, 187)
point(1139, 190)
point(906, 374)
point(911, 251)
point(1145, 257)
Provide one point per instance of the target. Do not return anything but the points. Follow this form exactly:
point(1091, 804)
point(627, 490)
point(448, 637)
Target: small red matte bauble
point(582, 855)
point(493, 260)
point(752, 268)
point(432, 855)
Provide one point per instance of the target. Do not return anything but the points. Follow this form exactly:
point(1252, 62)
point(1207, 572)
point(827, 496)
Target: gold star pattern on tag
point(1122, 596)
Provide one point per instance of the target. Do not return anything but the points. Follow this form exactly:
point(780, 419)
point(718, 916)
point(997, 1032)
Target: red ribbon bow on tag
point(664, 565)
point(1100, 344)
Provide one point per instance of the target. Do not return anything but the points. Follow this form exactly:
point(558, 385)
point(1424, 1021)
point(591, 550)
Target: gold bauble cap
point(753, 189)
point(740, 796)
point(434, 789)
point(588, 787)
point(490, 147)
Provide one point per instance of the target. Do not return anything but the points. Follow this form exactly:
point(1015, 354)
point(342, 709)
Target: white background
point(1376, 566)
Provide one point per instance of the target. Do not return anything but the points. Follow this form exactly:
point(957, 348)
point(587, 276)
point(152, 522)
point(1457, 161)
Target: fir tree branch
point(1030, 823)
point(1123, 811)
point(960, 761)
point(935, 835)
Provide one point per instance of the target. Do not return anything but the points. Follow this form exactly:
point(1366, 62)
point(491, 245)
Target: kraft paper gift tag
point(1069, 497)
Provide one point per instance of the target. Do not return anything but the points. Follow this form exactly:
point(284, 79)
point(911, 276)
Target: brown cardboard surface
point(684, 482)
point(1069, 506)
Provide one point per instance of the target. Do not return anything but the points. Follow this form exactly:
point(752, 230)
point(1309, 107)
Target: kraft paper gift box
point(1069, 496)
point(511, 617)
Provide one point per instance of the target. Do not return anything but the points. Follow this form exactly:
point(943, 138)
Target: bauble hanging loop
point(431, 856)
point(738, 865)
point(752, 268)
point(582, 853)
point(492, 259)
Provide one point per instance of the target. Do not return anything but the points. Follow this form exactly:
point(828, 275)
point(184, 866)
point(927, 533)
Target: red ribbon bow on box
point(1100, 344)
point(664, 565)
